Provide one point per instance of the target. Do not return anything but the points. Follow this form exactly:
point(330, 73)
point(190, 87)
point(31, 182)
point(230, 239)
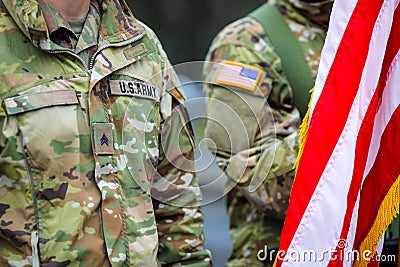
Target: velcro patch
point(134, 51)
point(103, 138)
point(136, 89)
point(239, 75)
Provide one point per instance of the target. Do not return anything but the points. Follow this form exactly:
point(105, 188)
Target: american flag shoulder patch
point(239, 75)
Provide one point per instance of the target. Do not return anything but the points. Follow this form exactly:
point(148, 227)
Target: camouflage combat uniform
point(267, 147)
point(89, 126)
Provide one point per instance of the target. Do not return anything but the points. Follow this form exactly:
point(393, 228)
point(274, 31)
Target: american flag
point(239, 75)
point(347, 186)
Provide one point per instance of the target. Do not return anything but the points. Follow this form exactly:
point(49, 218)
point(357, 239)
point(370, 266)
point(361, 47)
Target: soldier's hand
point(241, 164)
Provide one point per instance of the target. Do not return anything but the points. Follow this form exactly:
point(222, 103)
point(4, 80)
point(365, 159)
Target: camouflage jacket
point(254, 125)
point(95, 158)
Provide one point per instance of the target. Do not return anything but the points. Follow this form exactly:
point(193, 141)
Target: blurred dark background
point(186, 27)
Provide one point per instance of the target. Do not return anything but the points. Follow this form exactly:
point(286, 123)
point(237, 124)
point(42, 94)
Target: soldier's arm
point(273, 132)
point(176, 194)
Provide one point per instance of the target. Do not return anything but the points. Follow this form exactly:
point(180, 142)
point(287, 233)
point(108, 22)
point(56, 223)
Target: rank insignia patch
point(103, 138)
point(239, 75)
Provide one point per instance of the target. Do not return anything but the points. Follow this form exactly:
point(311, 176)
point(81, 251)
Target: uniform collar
point(303, 12)
point(318, 12)
point(288, 10)
point(61, 32)
point(117, 22)
point(54, 21)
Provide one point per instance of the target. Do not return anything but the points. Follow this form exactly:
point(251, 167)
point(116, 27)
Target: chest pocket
point(135, 95)
point(51, 121)
point(51, 124)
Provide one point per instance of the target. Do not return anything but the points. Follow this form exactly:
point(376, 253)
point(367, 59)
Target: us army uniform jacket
point(254, 125)
point(95, 160)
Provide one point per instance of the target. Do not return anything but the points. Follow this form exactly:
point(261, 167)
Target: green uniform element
point(271, 128)
point(81, 123)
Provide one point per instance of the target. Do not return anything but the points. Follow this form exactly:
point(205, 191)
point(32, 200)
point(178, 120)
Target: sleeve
point(176, 193)
point(264, 151)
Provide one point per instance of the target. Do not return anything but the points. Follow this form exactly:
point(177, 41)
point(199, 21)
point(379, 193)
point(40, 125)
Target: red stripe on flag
point(374, 262)
point(381, 177)
point(331, 112)
point(360, 160)
point(365, 134)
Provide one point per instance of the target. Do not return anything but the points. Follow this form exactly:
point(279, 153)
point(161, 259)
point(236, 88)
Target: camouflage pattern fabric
point(84, 177)
point(267, 146)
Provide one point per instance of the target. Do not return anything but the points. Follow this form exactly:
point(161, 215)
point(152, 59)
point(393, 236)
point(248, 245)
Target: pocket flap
point(24, 103)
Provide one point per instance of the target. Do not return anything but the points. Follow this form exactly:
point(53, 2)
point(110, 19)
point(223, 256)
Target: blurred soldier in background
point(267, 63)
point(86, 94)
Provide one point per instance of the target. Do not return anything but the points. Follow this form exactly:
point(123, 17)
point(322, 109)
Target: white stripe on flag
point(391, 98)
point(342, 11)
point(352, 230)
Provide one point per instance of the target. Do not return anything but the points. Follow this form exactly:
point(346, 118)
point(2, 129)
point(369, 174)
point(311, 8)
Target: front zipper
point(34, 234)
point(35, 249)
point(91, 63)
point(132, 40)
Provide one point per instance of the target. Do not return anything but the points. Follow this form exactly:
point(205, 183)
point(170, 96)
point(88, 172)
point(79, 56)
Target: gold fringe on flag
point(303, 132)
point(388, 210)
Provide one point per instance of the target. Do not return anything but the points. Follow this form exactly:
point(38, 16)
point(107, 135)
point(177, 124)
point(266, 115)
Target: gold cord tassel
point(388, 210)
point(303, 132)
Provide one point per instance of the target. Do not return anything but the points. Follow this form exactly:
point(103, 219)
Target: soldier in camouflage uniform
point(95, 155)
point(268, 146)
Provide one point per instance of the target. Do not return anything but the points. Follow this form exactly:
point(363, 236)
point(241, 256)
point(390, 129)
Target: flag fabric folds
point(347, 186)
